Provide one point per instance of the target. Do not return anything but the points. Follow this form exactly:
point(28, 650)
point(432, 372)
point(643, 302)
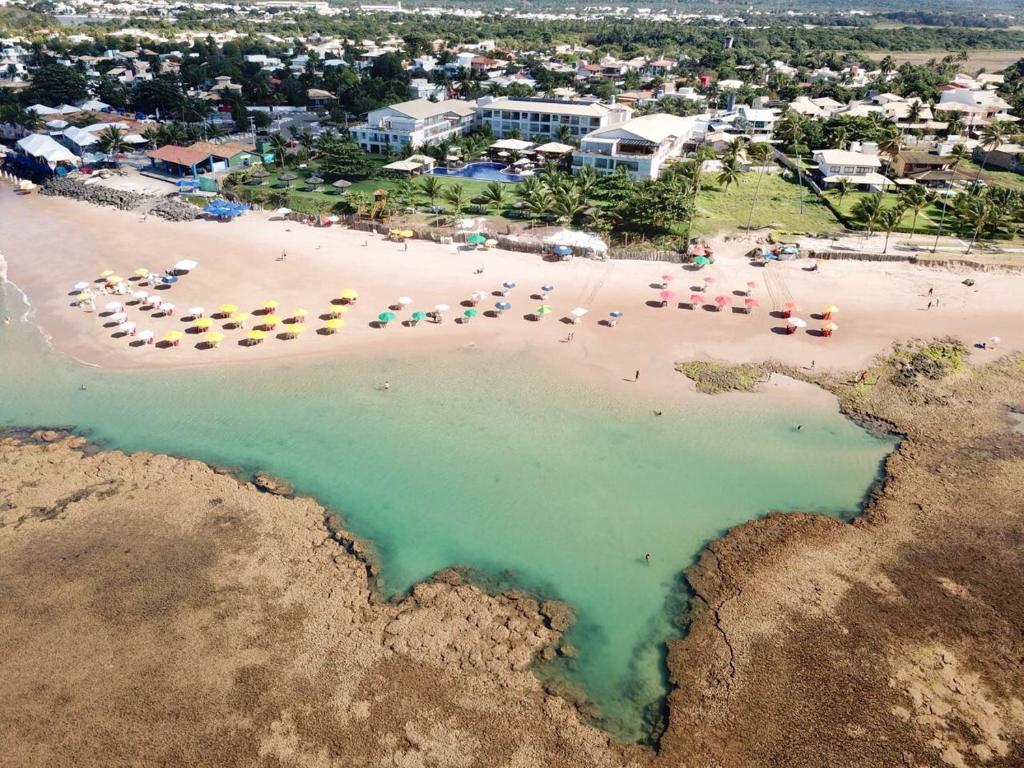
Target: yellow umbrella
point(83, 297)
point(271, 320)
point(227, 309)
point(338, 311)
point(238, 317)
point(271, 304)
point(296, 328)
point(141, 272)
point(203, 322)
point(214, 337)
point(115, 279)
point(173, 336)
point(831, 309)
point(256, 335)
point(300, 313)
point(334, 324)
point(349, 294)
point(106, 273)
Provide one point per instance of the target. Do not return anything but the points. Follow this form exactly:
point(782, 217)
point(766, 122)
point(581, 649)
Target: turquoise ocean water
point(484, 462)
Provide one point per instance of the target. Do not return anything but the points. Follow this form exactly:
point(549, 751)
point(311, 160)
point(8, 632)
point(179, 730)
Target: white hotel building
point(642, 146)
point(416, 123)
point(544, 117)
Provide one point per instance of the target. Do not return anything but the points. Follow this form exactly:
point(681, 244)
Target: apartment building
point(528, 118)
point(414, 123)
point(642, 146)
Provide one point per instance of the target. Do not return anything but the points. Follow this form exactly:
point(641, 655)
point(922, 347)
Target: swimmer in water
point(647, 557)
point(385, 386)
point(799, 427)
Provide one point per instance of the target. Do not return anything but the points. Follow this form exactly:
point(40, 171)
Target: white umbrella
point(168, 307)
point(282, 211)
point(196, 311)
point(152, 277)
point(113, 306)
point(156, 301)
point(127, 326)
point(404, 300)
point(186, 264)
point(140, 295)
point(796, 322)
point(81, 286)
point(579, 312)
point(145, 335)
point(119, 317)
point(479, 295)
point(441, 308)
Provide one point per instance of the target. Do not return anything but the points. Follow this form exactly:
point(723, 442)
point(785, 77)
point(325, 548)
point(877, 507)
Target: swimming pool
point(480, 171)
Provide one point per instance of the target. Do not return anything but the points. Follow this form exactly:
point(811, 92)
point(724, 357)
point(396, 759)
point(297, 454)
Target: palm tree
point(152, 135)
point(889, 219)
point(111, 141)
point(430, 186)
point(570, 205)
point(279, 145)
point(915, 199)
point(842, 189)
point(839, 138)
point(958, 153)
point(564, 134)
point(24, 119)
point(760, 154)
point(455, 194)
point(891, 143)
point(914, 113)
point(868, 210)
point(539, 201)
point(730, 174)
point(992, 136)
point(586, 178)
point(979, 214)
point(496, 195)
point(955, 124)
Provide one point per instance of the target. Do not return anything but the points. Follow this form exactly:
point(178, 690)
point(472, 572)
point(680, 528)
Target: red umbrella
point(696, 298)
point(668, 278)
point(723, 301)
point(698, 250)
point(790, 306)
point(709, 280)
point(751, 285)
point(751, 303)
point(667, 295)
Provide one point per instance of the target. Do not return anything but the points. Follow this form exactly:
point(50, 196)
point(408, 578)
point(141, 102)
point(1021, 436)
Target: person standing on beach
point(636, 376)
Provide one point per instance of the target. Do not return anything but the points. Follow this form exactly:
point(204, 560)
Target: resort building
point(642, 146)
point(1006, 157)
point(414, 123)
point(529, 118)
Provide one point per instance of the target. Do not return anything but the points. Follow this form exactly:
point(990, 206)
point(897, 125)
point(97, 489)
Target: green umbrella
point(702, 261)
point(417, 316)
point(476, 239)
point(386, 317)
point(543, 309)
point(470, 313)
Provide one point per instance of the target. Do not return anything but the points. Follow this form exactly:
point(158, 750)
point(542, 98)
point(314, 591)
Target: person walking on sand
point(929, 305)
point(931, 291)
point(636, 376)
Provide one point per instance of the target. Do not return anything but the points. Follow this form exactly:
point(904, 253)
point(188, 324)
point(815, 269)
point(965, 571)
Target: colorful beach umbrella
point(667, 278)
point(196, 311)
point(751, 303)
point(334, 324)
point(237, 318)
point(295, 329)
point(796, 322)
point(349, 294)
point(186, 265)
point(478, 296)
point(578, 312)
point(81, 285)
point(503, 306)
point(709, 280)
point(831, 309)
point(168, 279)
point(667, 295)
point(386, 317)
point(146, 336)
point(256, 335)
point(830, 327)
point(469, 314)
point(751, 285)
point(702, 261)
point(141, 272)
point(271, 320)
point(543, 309)
point(547, 288)
point(228, 309)
point(203, 322)
point(404, 301)
point(790, 306)
point(114, 306)
point(271, 304)
point(615, 314)
point(106, 273)
point(508, 286)
point(115, 279)
point(476, 239)
point(173, 336)
point(723, 301)
point(561, 250)
point(441, 307)
point(214, 337)
point(418, 315)
point(696, 298)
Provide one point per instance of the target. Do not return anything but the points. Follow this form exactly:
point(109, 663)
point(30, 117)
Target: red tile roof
point(186, 156)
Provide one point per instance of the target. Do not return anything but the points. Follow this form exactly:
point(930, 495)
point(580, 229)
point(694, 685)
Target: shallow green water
point(487, 463)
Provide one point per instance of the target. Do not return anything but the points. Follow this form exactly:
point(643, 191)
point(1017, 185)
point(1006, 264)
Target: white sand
point(50, 244)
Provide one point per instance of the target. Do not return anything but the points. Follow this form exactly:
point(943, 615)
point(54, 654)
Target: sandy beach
point(57, 243)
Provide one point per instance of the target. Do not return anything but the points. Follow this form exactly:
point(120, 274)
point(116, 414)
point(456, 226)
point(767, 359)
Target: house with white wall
point(642, 146)
point(545, 117)
point(414, 123)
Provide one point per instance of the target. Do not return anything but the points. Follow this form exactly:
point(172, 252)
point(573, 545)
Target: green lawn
point(993, 178)
point(927, 219)
point(778, 207)
point(306, 201)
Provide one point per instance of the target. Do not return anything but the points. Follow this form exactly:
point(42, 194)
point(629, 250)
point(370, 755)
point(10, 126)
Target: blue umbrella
point(509, 286)
point(168, 280)
point(547, 288)
point(561, 250)
point(503, 306)
point(616, 314)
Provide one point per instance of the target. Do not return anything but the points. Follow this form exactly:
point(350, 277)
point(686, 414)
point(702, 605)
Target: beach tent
point(576, 239)
point(42, 110)
point(80, 138)
point(42, 147)
point(57, 125)
point(95, 105)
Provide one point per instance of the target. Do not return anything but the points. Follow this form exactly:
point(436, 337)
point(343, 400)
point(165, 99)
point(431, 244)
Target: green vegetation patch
point(933, 361)
point(714, 378)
